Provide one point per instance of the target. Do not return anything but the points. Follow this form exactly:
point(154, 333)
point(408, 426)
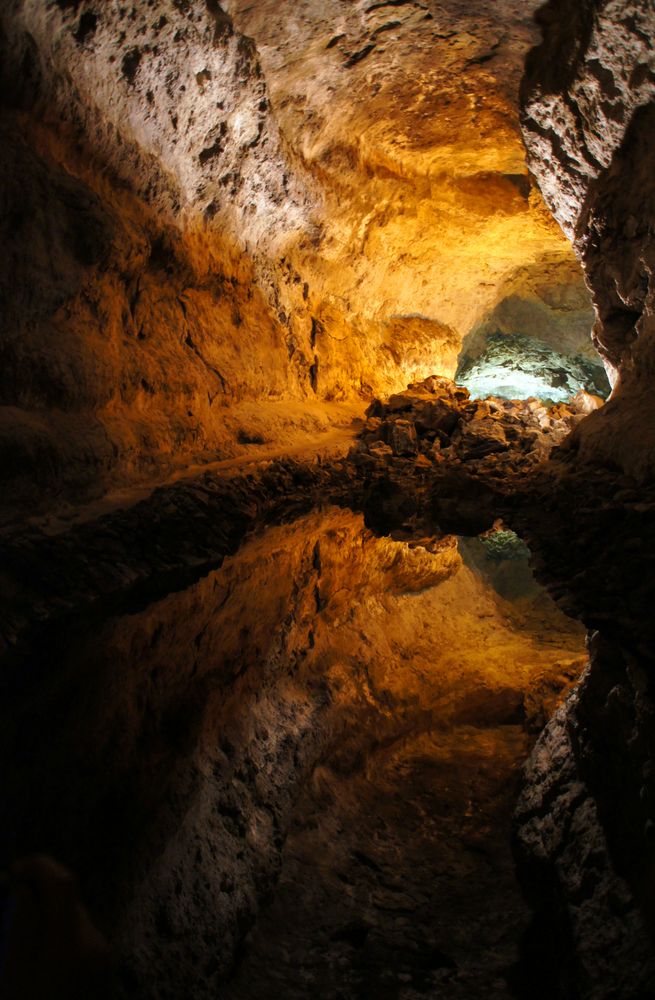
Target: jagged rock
point(598, 939)
point(447, 424)
point(380, 450)
point(402, 435)
point(177, 176)
point(481, 436)
point(437, 416)
point(373, 426)
point(588, 125)
point(513, 366)
point(585, 402)
point(218, 210)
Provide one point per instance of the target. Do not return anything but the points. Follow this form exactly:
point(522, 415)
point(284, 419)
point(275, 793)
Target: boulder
point(380, 450)
point(482, 437)
point(403, 438)
point(585, 402)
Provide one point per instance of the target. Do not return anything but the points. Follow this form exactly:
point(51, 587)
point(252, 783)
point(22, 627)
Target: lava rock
point(403, 438)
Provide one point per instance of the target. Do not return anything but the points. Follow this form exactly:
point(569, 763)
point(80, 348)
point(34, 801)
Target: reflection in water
point(503, 560)
point(397, 874)
point(342, 711)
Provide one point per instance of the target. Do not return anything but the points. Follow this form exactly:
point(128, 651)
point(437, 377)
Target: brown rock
point(588, 118)
point(481, 437)
point(403, 438)
point(380, 450)
point(586, 402)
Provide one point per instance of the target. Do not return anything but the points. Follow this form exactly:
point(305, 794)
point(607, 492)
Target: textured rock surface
point(207, 206)
point(585, 846)
point(492, 438)
point(588, 124)
point(590, 884)
point(132, 321)
point(208, 712)
point(210, 212)
point(125, 348)
point(429, 221)
point(584, 824)
point(514, 366)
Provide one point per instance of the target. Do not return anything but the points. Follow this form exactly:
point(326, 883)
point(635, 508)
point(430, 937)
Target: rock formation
point(272, 655)
point(587, 124)
point(584, 819)
point(192, 228)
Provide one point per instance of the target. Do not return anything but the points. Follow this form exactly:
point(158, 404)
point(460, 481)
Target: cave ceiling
point(405, 114)
point(366, 156)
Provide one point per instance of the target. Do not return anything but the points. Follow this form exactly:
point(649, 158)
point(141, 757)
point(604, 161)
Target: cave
point(327, 521)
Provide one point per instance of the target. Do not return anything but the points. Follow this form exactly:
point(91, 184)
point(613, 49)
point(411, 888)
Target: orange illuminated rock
point(496, 437)
point(240, 204)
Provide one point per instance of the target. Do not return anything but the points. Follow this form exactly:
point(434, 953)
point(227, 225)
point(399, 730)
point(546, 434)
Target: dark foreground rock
point(584, 843)
point(435, 422)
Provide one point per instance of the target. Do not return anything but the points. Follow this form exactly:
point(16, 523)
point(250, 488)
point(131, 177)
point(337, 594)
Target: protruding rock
point(586, 402)
point(380, 450)
point(403, 438)
point(481, 437)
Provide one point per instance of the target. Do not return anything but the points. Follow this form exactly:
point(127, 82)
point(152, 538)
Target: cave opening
point(536, 342)
point(516, 366)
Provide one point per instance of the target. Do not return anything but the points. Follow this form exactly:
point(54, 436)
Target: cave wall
point(585, 820)
point(190, 227)
point(583, 837)
point(124, 342)
point(405, 114)
point(136, 144)
point(587, 116)
point(212, 210)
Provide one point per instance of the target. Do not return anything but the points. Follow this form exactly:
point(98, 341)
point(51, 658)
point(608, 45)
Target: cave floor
point(398, 882)
point(256, 434)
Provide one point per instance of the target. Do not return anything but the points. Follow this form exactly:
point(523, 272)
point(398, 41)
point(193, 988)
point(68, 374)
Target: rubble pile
point(436, 421)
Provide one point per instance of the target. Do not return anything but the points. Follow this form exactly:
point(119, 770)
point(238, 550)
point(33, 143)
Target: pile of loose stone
point(435, 421)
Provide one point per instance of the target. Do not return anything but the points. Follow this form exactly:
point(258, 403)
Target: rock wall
point(208, 207)
point(587, 115)
point(124, 343)
point(405, 114)
point(140, 159)
point(584, 821)
point(583, 840)
point(194, 222)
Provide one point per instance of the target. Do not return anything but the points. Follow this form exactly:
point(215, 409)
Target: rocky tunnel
point(326, 528)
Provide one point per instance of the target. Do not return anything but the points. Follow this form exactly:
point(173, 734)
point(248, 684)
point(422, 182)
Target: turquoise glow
point(514, 366)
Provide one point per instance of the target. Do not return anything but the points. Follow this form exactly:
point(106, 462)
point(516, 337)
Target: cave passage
point(517, 366)
point(536, 340)
point(303, 307)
